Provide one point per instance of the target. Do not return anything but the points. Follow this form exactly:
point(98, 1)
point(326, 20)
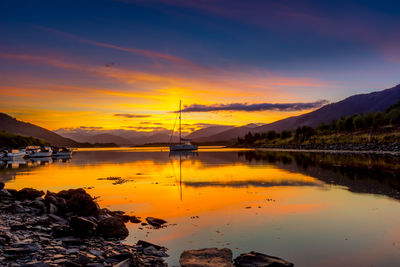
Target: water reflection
point(360, 173)
point(309, 208)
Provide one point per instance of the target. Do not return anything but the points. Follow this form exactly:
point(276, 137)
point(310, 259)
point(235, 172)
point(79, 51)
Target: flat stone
point(207, 257)
point(156, 222)
point(255, 259)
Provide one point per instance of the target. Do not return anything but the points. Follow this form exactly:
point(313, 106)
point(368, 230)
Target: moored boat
point(184, 143)
point(62, 152)
point(13, 154)
point(42, 152)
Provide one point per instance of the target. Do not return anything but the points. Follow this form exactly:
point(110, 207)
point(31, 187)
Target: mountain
point(97, 138)
point(208, 131)
point(226, 135)
point(361, 103)
point(14, 126)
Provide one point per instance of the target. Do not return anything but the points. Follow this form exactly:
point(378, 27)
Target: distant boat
point(41, 153)
point(13, 154)
point(184, 143)
point(62, 152)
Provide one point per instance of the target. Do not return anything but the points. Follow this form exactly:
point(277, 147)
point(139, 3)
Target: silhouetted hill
point(14, 126)
point(97, 138)
point(208, 131)
point(362, 103)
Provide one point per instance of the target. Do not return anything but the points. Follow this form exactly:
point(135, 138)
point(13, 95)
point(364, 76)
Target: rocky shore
point(370, 147)
point(68, 228)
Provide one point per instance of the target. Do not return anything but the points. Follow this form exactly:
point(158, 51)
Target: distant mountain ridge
point(361, 103)
point(98, 138)
point(14, 126)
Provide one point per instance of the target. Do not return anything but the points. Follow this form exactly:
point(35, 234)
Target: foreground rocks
point(214, 257)
point(255, 259)
point(67, 229)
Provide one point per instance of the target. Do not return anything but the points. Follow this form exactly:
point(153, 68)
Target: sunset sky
point(126, 64)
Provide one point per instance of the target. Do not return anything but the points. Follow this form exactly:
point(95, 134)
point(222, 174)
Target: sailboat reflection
point(182, 155)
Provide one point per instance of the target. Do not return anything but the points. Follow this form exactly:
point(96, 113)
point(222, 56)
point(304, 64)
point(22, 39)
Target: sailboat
point(184, 143)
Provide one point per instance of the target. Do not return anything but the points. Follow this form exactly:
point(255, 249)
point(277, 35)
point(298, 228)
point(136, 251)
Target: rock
point(61, 231)
point(124, 263)
point(95, 252)
point(36, 264)
point(155, 221)
point(145, 244)
point(52, 209)
point(58, 219)
point(134, 219)
point(82, 226)
point(83, 259)
point(112, 227)
point(22, 250)
point(152, 251)
point(39, 204)
point(79, 202)
point(69, 240)
point(207, 257)
point(255, 259)
point(29, 193)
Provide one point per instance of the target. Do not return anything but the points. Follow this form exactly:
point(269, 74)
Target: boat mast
point(180, 122)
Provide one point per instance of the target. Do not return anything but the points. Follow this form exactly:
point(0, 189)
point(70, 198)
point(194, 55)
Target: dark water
point(312, 209)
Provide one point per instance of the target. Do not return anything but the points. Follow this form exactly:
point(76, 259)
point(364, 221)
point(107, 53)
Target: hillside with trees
point(368, 128)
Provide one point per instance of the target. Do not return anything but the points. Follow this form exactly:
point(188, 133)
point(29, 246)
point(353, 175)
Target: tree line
point(358, 122)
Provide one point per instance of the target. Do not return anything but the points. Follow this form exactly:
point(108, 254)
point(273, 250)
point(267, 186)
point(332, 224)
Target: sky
point(125, 64)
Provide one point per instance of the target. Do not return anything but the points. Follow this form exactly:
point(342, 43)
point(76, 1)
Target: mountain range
point(362, 103)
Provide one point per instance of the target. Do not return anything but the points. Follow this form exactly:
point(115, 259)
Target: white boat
point(184, 143)
point(62, 152)
point(42, 152)
point(14, 154)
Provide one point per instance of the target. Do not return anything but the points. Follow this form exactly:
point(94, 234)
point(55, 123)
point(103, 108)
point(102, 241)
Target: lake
point(312, 209)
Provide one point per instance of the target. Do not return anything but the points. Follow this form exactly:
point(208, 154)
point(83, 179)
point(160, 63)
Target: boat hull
point(63, 154)
point(183, 147)
point(41, 154)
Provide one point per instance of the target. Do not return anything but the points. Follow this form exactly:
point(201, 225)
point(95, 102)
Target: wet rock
point(255, 259)
point(207, 257)
point(134, 219)
point(82, 226)
point(29, 193)
point(155, 221)
point(112, 227)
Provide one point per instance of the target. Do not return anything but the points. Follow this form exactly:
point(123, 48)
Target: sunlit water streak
point(284, 204)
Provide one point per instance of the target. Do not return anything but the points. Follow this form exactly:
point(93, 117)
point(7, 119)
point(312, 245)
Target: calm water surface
point(311, 209)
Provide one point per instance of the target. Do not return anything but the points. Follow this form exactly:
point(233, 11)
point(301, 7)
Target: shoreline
point(392, 149)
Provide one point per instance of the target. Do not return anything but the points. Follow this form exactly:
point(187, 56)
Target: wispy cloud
point(130, 116)
point(132, 50)
point(254, 107)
